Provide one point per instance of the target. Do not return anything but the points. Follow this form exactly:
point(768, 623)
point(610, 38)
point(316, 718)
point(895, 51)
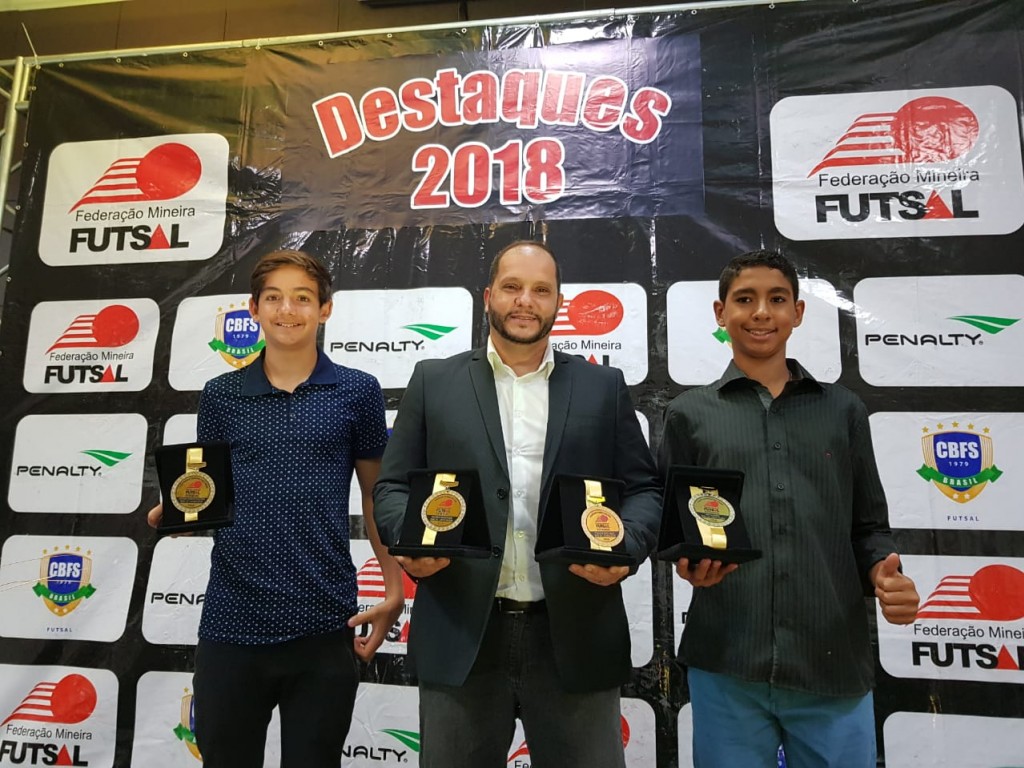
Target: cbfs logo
point(185, 730)
point(238, 338)
point(135, 200)
point(49, 706)
point(65, 579)
point(959, 462)
point(993, 594)
point(897, 164)
point(370, 585)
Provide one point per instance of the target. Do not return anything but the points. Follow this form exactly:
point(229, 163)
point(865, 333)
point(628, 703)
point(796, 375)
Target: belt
point(504, 605)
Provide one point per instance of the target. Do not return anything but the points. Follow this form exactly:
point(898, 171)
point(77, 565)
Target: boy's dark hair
point(289, 258)
point(518, 243)
point(770, 259)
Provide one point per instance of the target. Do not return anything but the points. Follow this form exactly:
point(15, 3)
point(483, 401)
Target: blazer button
point(496, 551)
point(502, 494)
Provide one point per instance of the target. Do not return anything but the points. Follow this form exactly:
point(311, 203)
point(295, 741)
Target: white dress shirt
point(523, 405)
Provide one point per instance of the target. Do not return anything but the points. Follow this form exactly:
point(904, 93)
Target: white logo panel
point(370, 585)
point(177, 590)
point(212, 335)
point(386, 333)
point(91, 346)
point(78, 463)
point(638, 596)
point(385, 727)
point(66, 587)
point(941, 331)
point(682, 596)
point(180, 428)
point(970, 625)
point(958, 471)
point(135, 201)
point(921, 163)
point(605, 324)
point(699, 351)
point(924, 740)
point(57, 716)
point(164, 734)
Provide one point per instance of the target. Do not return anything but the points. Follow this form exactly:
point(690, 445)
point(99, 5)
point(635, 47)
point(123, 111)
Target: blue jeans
point(472, 725)
point(739, 723)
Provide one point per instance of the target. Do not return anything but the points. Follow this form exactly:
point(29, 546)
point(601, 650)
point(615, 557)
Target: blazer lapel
point(487, 399)
point(559, 395)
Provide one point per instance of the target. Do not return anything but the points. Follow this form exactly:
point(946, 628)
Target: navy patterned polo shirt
point(284, 569)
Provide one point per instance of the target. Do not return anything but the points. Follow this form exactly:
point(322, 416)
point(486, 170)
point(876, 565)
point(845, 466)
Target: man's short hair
point(495, 264)
point(289, 258)
point(770, 259)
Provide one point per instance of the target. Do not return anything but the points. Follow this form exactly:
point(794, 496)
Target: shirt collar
point(257, 383)
point(498, 365)
point(733, 374)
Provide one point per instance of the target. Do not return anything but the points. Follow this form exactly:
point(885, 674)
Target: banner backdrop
point(876, 143)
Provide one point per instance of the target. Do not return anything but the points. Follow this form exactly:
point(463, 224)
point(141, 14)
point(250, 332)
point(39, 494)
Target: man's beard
point(498, 324)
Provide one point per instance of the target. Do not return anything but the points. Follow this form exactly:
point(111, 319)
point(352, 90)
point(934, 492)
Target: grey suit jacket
point(449, 419)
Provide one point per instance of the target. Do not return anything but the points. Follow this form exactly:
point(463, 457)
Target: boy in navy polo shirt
point(277, 622)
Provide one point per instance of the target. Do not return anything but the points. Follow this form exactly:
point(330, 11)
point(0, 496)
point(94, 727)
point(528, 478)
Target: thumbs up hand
point(896, 592)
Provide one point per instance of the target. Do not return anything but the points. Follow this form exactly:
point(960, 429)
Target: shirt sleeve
point(870, 534)
point(209, 423)
point(371, 435)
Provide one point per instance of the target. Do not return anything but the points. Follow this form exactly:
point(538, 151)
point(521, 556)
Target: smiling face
point(289, 309)
point(759, 313)
point(523, 299)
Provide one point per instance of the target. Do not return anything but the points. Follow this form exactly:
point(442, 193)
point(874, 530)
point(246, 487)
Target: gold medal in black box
point(702, 519)
point(444, 516)
point(196, 485)
point(581, 523)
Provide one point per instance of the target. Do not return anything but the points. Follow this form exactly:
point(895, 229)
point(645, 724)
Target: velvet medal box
point(702, 518)
point(196, 485)
point(444, 516)
point(581, 522)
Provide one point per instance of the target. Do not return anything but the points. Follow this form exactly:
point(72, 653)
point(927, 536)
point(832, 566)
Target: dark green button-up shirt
point(813, 503)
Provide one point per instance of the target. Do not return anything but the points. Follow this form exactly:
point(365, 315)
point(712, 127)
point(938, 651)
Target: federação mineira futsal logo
point(136, 200)
point(164, 173)
point(113, 326)
point(70, 700)
point(592, 313)
point(992, 593)
point(930, 129)
point(912, 163)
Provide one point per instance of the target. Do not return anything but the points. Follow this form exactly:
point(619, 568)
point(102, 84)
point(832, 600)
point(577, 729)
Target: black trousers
point(312, 679)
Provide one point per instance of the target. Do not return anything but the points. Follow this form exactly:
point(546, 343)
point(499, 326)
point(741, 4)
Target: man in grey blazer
point(505, 636)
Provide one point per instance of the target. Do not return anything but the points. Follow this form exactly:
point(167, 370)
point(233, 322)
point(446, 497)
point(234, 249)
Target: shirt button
point(502, 493)
point(780, 486)
point(520, 577)
point(520, 534)
point(776, 445)
point(520, 493)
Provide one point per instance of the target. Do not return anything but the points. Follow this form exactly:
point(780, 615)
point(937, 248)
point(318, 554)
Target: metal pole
point(10, 132)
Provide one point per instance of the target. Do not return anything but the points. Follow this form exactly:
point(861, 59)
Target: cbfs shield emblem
point(64, 580)
point(960, 463)
point(186, 729)
point(238, 338)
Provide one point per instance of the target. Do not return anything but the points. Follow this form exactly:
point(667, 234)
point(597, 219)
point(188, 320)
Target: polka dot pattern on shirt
point(283, 569)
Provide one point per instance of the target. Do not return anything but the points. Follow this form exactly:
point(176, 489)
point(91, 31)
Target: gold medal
point(712, 513)
point(600, 524)
point(193, 491)
point(443, 510)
